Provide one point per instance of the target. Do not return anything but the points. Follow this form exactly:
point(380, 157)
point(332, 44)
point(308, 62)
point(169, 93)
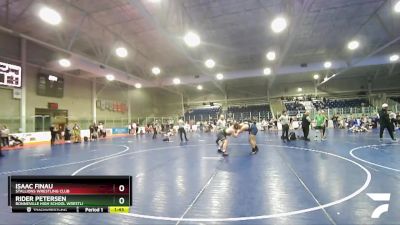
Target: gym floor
point(190, 183)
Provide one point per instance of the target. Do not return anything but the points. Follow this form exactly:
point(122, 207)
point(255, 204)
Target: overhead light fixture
point(156, 70)
point(326, 79)
point(50, 16)
point(176, 81)
point(64, 62)
point(110, 77)
point(138, 85)
point(316, 76)
point(209, 63)
point(397, 7)
point(327, 64)
point(394, 58)
point(353, 45)
point(267, 71)
point(121, 52)
point(192, 39)
point(271, 55)
point(299, 89)
point(199, 87)
point(219, 76)
point(279, 24)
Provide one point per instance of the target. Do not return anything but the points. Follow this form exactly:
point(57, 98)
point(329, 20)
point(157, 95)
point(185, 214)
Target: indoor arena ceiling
point(235, 33)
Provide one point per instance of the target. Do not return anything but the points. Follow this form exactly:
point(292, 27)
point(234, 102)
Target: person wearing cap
point(385, 123)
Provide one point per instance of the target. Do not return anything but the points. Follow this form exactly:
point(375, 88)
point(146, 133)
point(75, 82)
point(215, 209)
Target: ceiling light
point(138, 85)
point(64, 62)
point(192, 39)
point(176, 81)
point(327, 64)
point(209, 63)
point(220, 76)
point(316, 76)
point(199, 87)
point(267, 71)
point(299, 89)
point(278, 25)
point(353, 45)
point(271, 55)
point(326, 79)
point(156, 70)
point(121, 52)
point(50, 16)
point(110, 77)
point(397, 7)
point(394, 58)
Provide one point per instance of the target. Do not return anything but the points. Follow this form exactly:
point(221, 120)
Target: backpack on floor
point(292, 136)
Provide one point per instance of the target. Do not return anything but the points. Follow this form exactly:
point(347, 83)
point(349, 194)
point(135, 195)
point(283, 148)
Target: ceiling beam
point(154, 21)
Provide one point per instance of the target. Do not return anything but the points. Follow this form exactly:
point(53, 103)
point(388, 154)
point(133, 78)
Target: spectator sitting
point(4, 135)
point(16, 141)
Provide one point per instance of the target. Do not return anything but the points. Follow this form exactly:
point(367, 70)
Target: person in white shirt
point(181, 129)
point(221, 123)
point(134, 128)
point(284, 120)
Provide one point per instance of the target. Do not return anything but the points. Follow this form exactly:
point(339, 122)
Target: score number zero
point(121, 200)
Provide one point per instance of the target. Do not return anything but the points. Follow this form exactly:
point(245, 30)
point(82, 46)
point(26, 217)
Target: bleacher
point(249, 112)
point(208, 113)
point(294, 107)
point(340, 103)
point(396, 99)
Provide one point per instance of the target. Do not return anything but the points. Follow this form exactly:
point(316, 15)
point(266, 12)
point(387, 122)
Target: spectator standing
point(53, 133)
point(305, 125)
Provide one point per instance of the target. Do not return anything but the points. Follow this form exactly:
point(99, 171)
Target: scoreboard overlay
point(72, 194)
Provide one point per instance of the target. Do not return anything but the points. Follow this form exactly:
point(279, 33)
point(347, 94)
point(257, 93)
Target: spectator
point(76, 132)
point(102, 132)
point(4, 135)
point(335, 119)
point(134, 128)
point(67, 134)
point(53, 134)
point(15, 141)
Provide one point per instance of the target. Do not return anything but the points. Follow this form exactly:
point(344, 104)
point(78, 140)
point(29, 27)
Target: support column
point(94, 99)
point(129, 108)
point(23, 88)
point(183, 106)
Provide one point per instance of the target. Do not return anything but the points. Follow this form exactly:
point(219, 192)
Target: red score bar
point(63, 189)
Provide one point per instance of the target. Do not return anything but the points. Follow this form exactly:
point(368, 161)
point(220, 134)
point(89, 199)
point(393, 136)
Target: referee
point(385, 123)
point(181, 129)
point(305, 125)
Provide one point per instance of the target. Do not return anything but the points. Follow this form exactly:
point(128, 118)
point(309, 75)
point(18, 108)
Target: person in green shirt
point(320, 124)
